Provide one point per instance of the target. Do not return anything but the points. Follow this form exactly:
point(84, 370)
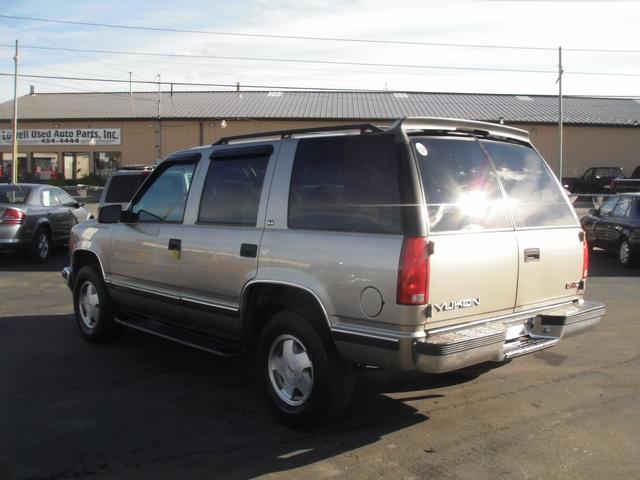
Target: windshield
point(14, 194)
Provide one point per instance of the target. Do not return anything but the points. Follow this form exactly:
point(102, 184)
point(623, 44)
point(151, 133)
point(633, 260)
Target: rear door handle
point(531, 254)
point(175, 244)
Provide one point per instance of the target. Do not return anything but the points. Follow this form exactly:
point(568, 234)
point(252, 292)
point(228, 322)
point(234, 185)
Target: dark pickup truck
point(594, 180)
point(628, 184)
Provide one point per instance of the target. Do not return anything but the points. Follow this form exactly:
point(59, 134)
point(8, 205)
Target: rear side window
point(346, 183)
point(534, 195)
point(122, 188)
point(461, 189)
point(622, 208)
point(13, 194)
point(231, 193)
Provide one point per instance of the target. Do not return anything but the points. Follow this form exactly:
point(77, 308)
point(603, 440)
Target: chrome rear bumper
point(449, 349)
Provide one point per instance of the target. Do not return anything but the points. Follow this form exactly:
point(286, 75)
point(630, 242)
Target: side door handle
point(175, 244)
point(531, 254)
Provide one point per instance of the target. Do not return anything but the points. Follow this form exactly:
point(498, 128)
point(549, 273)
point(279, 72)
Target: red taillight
point(413, 272)
point(612, 183)
point(12, 216)
point(585, 258)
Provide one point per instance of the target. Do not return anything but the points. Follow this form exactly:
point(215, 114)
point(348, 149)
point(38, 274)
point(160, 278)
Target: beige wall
point(583, 146)
point(586, 147)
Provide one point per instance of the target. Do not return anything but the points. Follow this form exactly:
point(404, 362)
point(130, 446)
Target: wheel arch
point(261, 299)
point(84, 256)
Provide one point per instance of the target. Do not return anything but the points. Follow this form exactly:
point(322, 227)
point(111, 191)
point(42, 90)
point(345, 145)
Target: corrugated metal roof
point(324, 105)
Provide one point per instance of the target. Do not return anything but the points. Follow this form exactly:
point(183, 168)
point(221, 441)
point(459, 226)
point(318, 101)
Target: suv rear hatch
point(505, 237)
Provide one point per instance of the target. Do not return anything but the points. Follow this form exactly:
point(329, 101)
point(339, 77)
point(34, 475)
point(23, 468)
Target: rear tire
point(40, 247)
point(307, 381)
point(93, 307)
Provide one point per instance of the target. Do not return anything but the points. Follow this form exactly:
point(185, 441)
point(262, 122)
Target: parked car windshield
point(14, 194)
point(122, 188)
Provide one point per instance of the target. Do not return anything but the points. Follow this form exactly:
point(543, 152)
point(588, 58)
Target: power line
point(217, 85)
point(310, 38)
point(60, 46)
point(284, 60)
point(234, 86)
point(322, 62)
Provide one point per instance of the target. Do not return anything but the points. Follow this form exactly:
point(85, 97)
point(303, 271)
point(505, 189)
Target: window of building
point(6, 167)
point(44, 166)
point(105, 163)
point(232, 189)
point(346, 183)
point(76, 165)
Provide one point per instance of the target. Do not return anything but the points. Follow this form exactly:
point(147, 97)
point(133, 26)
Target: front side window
point(533, 194)
point(231, 193)
point(461, 189)
point(607, 207)
point(64, 198)
point(165, 199)
point(346, 183)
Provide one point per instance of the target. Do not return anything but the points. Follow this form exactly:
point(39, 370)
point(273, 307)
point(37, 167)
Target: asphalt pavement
point(143, 407)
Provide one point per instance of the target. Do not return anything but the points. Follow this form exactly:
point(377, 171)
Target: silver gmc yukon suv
point(435, 244)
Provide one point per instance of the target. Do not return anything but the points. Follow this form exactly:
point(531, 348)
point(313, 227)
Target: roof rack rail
point(363, 127)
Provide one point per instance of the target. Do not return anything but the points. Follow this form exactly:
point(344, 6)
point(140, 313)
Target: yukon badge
point(453, 305)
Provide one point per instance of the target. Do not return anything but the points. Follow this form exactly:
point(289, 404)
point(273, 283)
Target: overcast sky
point(571, 24)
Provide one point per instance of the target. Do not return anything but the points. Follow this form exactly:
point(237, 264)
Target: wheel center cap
point(290, 367)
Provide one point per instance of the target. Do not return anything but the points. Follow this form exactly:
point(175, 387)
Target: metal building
point(71, 135)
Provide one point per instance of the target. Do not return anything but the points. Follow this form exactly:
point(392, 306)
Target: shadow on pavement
point(143, 407)
point(605, 264)
point(15, 261)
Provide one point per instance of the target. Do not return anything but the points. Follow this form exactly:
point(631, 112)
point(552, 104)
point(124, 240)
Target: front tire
point(625, 254)
point(306, 380)
point(93, 308)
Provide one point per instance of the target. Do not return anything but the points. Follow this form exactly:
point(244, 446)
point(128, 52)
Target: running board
point(178, 335)
point(528, 345)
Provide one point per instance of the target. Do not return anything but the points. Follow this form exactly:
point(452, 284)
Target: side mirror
point(77, 204)
point(109, 214)
point(593, 211)
point(127, 216)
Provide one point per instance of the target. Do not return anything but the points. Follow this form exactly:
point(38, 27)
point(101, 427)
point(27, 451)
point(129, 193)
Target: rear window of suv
point(346, 183)
point(461, 188)
point(534, 195)
point(462, 179)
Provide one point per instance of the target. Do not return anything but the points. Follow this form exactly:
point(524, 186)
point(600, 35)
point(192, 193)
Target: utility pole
point(159, 122)
point(560, 113)
point(14, 170)
point(130, 87)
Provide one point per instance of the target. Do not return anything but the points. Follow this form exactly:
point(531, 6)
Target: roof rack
point(282, 134)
